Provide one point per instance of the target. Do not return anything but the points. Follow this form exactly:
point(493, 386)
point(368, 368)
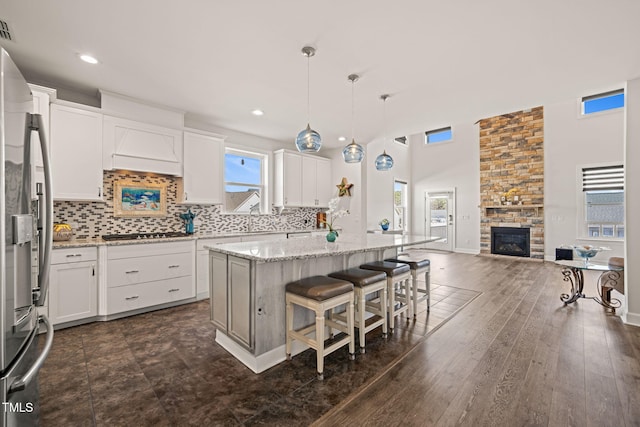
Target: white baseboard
point(631, 319)
point(467, 251)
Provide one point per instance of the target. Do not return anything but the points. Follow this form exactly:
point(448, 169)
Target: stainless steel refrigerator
point(21, 232)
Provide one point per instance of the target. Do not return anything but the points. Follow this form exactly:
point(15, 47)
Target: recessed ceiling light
point(257, 112)
point(342, 139)
point(88, 59)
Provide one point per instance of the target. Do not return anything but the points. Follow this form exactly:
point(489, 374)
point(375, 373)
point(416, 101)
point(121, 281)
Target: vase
point(385, 227)
point(188, 227)
point(331, 236)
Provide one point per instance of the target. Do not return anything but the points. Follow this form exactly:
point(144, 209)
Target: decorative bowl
point(62, 232)
point(588, 251)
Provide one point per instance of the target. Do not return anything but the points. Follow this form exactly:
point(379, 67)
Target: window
point(603, 189)
point(401, 140)
point(244, 186)
point(400, 205)
point(438, 135)
point(603, 102)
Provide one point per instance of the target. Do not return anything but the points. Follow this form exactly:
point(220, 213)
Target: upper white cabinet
point(301, 180)
point(143, 147)
point(202, 172)
point(41, 98)
point(76, 153)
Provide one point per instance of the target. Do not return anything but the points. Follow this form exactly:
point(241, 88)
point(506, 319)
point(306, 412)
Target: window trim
point(436, 131)
point(264, 157)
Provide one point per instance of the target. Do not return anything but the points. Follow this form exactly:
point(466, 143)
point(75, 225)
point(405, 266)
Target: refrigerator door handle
point(34, 123)
point(21, 383)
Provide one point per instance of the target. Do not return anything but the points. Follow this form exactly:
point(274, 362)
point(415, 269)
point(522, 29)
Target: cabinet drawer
point(132, 297)
point(129, 271)
point(63, 256)
point(149, 249)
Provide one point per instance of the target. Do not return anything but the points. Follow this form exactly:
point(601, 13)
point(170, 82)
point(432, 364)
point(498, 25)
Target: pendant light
point(384, 162)
point(308, 140)
point(353, 153)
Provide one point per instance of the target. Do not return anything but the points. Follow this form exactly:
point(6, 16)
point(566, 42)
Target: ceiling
point(442, 62)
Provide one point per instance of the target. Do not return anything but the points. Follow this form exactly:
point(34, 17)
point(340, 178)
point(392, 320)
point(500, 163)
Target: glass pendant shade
point(308, 141)
point(384, 162)
point(353, 153)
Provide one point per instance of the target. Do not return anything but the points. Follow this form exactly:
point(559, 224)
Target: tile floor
point(164, 369)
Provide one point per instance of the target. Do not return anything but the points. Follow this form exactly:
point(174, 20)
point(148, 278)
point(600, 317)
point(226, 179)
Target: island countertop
point(313, 247)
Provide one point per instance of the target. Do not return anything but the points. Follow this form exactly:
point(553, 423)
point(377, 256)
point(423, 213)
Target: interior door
point(439, 219)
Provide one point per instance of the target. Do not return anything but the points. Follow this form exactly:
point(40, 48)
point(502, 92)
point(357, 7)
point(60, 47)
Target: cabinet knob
point(174, 290)
point(174, 266)
point(131, 271)
point(132, 298)
point(186, 196)
point(99, 191)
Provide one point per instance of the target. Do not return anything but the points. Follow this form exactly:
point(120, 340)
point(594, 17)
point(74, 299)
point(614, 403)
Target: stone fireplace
point(512, 157)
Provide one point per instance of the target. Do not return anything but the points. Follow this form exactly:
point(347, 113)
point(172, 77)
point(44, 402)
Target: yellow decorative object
point(62, 232)
point(508, 195)
point(344, 189)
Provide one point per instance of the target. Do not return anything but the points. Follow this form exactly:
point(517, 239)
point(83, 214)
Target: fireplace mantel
point(489, 209)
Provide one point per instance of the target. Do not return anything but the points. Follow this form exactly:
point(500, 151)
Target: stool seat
point(359, 277)
point(390, 268)
point(414, 263)
point(319, 288)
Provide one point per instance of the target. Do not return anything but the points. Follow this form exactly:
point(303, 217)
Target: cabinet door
point(203, 166)
point(218, 289)
point(72, 292)
point(76, 153)
point(325, 188)
point(309, 179)
point(239, 300)
point(292, 181)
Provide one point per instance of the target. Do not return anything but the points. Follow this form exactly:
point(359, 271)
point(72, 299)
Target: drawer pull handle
point(73, 255)
point(174, 290)
point(132, 298)
point(131, 271)
point(174, 266)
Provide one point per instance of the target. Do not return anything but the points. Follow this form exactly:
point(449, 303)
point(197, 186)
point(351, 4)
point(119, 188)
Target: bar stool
point(398, 275)
point(320, 293)
point(367, 282)
point(418, 266)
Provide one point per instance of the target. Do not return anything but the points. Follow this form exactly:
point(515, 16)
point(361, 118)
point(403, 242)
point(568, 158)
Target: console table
point(573, 273)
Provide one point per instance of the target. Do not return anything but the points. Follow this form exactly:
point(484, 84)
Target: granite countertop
point(78, 243)
point(312, 247)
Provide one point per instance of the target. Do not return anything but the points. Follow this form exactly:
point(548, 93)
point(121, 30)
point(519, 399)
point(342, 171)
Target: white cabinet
point(301, 180)
point(203, 162)
point(73, 286)
point(76, 153)
point(137, 146)
point(41, 98)
point(144, 275)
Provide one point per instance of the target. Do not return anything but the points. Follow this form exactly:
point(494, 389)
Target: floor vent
point(5, 34)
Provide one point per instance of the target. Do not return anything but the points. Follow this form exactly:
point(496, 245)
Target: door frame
point(451, 232)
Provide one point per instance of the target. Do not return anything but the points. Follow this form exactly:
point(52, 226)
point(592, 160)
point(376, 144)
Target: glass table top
point(580, 264)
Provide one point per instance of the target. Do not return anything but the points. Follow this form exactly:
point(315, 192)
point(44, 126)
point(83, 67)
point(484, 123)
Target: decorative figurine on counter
point(188, 217)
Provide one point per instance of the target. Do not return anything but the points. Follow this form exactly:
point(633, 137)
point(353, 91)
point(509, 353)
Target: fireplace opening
point(513, 241)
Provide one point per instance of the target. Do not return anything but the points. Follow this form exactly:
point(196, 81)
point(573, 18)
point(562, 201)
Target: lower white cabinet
point(144, 275)
point(73, 285)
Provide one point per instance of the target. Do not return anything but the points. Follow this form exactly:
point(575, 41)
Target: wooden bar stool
point(418, 266)
point(398, 276)
point(320, 293)
point(367, 282)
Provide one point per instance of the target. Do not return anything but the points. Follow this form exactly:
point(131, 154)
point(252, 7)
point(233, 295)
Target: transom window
point(603, 102)
point(603, 189)
point(438, 135)
point(244, 182)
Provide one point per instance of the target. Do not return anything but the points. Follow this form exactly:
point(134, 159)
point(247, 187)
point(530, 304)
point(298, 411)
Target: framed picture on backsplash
point(138, 199)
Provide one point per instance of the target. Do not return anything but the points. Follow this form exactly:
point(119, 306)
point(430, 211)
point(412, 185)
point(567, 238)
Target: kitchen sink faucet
point(252, 209)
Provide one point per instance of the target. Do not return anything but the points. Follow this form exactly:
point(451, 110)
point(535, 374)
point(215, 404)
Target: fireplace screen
point(512, 241)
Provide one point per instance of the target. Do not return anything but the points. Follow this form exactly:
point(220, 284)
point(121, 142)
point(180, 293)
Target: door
point(439, 219)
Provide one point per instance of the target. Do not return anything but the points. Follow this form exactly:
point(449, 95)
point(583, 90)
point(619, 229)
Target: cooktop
point(144, 236)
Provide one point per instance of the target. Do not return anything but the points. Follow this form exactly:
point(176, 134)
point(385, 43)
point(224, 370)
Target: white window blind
point(603, 178)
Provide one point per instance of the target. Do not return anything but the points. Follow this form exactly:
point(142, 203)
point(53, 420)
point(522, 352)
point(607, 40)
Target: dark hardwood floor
point(514, 356)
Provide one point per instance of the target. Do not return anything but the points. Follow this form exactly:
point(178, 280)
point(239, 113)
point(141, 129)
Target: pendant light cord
point(308, 90)
point(353, 82)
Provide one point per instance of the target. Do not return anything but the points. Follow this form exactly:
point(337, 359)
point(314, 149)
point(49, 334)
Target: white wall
point(445, 166)
point(354, 223)
point(380, 183)
point(570, 142)
point(632, 203)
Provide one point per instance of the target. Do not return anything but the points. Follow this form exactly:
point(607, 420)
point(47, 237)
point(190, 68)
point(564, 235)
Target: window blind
point(603, 178)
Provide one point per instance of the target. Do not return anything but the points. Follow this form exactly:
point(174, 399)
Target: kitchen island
point(247, 286)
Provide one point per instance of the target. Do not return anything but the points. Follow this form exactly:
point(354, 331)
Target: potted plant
point(333, 213)
point(384, 224)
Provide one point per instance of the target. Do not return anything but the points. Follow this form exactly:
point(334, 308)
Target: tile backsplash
point(94, 219)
